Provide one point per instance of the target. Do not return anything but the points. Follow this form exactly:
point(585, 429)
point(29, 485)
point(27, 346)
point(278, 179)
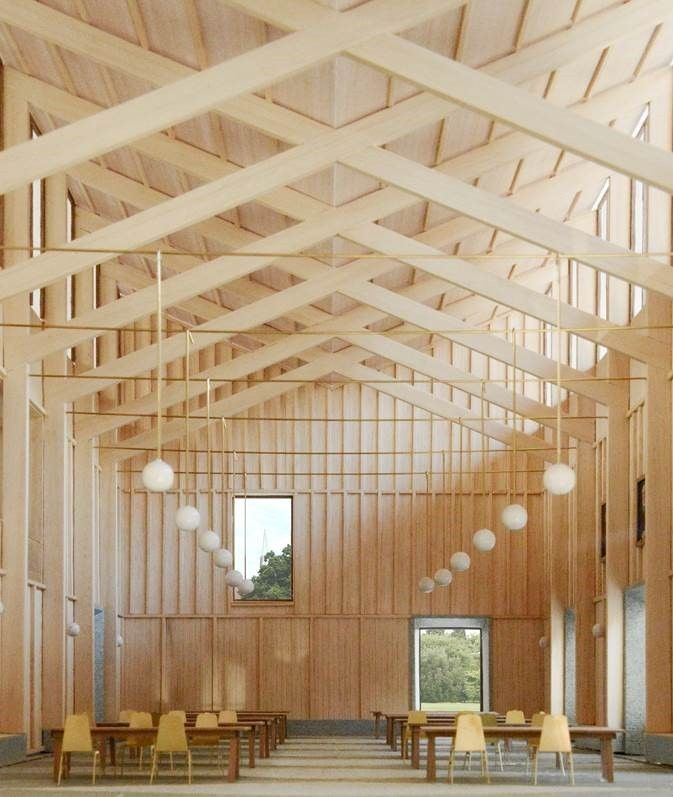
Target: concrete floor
point(340, 766)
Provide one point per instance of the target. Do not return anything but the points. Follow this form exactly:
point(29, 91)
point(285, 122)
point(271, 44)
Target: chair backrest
point(515, 717)
point(488, 719)
point(178, 713)
point(469, 734)
point(125, 715)
point(555, 736)
point(537, 719)
point(206, 720)
point(417, 718)
point(77, 734)
point(171, 736)
point(227, 715)
point(140, 719)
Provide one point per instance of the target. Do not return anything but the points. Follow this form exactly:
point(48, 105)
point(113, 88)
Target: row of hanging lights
point(558, 478)
point(158, 475)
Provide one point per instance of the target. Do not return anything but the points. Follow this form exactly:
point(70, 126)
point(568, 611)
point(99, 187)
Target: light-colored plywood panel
point(188, 665)
point(284, 665)
point(141, 665)
point(517, 665)
point(384, 665)
point(236, 664)
point(335, 668)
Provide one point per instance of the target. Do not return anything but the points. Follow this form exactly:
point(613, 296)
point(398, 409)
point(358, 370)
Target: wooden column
point(84, 522)
point(56, 479)
point(585, 554)
point(658, 505)
point(109, 530)
point(617, 549)
point(15, 624)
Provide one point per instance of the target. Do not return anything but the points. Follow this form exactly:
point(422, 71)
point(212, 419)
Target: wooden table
point(110, 734)
point(395, 723)
point(525, 732)
point(257, 727)
point(278, 718)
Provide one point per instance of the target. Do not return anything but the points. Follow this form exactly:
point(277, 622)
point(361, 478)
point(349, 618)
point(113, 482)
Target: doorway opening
point(450, 664)
point(634, 669)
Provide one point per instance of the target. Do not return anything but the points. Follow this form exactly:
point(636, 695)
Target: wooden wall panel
point(236, 664)
point(284, 667)
point(335, 668)
point(188, 667)
point(384, 665)
point(517, 665)
point(141, 665)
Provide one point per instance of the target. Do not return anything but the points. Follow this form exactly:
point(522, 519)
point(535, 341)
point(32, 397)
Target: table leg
point(274, 734)
point(232, 769)
point(58, 746)
point(263, 741)
point(393, 742)
point(283, 727)
point(251, 748)
point(415, 747)
point(607, 760)
point(431, 765)
point(389, 731)
point(377, 718)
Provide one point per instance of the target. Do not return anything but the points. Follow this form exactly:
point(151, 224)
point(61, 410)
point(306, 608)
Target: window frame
point(248, 600)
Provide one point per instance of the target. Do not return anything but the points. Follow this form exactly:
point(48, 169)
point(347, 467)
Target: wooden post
point(84, 522)
point(15, 624)
point(56, 479)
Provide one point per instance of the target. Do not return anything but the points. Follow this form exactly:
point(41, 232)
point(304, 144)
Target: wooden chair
point(536, 722)
point(207, 719)
point(178, 713)
point(76, 739)
point(139, 719)
point(555, 738)
point(491, 721)
point(125, 715)
point(515, 717)
point(227, 716)
point(469, 738)
point(413, 718)
point(171, 738)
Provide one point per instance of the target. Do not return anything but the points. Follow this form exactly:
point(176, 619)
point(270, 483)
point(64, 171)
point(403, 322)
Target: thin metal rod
point(514, 458)
point(325, 453)
point(209, 460)
point(344, 473)
point(558, 358)
point(160, 352)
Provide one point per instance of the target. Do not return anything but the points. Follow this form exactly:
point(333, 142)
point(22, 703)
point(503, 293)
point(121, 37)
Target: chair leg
point(499, 749)
point(563, 769)
point(571, 767)
point(60, 769)
point(535, 768)
point(96, 757)
point(485, 760)
point(170, 755)
point(140, 758)
point(189, 767)
point(451, 759)
point(153, 768)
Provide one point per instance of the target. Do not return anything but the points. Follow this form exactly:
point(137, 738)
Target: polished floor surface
point(336, 767)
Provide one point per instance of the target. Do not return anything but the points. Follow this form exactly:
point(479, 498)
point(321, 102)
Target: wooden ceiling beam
point(490, 91)
point(186, 98)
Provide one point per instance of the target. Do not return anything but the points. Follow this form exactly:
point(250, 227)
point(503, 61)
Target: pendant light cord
point(160, 352)
point(209, 456)
point(558, 358)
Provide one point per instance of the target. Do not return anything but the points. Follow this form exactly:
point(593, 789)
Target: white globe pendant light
point(543, 642)
point(460, 562)
point(158, 476)
point(234, 578)
point(2, 607)
point(559, 479)
point(120, 641)
point(223, 558)
point(187, 518)
point(598, 630)
point(246, 588)
point(426, 584)
point(73, 629)
point(209, 541)
point(514, 517)
point(443, 577)
point(483, 540)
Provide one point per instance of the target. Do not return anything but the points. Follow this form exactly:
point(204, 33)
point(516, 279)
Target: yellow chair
point(76, 739)
point(515, 717)
point(125, 715)
point(413, 718)
point(491, 721)
point(207, 720)
point(178, 713)
point(139, 719)
point(171, 738)
point(536, 722)
point(227, 716)
point(469, 739)
point(555, 738)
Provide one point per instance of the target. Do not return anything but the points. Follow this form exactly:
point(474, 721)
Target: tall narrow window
point(263, 545)
point(36, 232)
point(573, 297)
point(639, 216)
point(548, 345)
point(603, 231)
